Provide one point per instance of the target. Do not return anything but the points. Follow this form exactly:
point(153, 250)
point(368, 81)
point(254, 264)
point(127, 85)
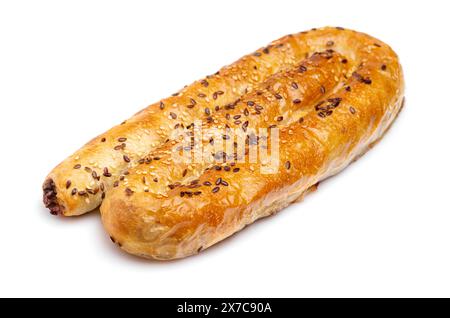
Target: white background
point(71, 69)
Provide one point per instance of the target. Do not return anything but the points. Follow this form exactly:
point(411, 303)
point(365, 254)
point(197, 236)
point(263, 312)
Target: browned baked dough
point(329, 108)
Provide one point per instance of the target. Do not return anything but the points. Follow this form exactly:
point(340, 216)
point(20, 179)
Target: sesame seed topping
point(352, 110)
point(294, 85)
point(106, 172)
point(103, 139)
point(236, 170)
point(126, 158)
point(122, 139)
point(288, 165)
point(74, 191)
point(161, 105)
point(215, 189)
point(297, 101)
point(77, 166)
point(173, 115)
point(68, 183)
point(302, 69)
point(129, 192)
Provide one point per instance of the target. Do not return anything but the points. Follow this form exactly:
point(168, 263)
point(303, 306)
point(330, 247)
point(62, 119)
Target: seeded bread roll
point(329, 109)
point(78, 184)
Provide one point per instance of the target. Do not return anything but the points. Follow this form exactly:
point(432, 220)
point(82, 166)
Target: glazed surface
point(330, 94)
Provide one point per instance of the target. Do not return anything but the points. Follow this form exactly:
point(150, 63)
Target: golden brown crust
point(192, 206)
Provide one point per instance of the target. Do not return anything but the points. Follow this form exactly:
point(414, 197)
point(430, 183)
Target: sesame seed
point(383, 67)
point(74, 191)
point(352, 110)
point(322, 89)
point(68, 183)
point(288, 165)
point(77, 166)
point(161, 105)
point(129, 192)
point(297, 101)
point(126, 158)
point(173, 115)
point(302, 69)
point(103, 139)
point(279, 118)
point(236, 170)
point(294, 85)
point(106, 173)
point(215, 189)
point(207, 183)
point(122, 139)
